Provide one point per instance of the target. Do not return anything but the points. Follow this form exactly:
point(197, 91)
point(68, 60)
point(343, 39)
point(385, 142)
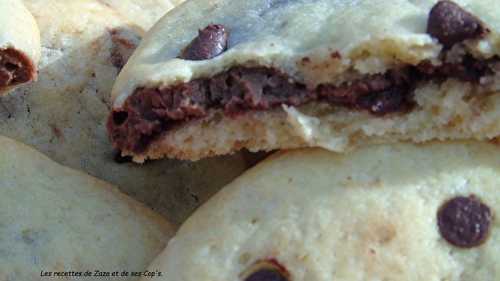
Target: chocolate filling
point(15, 68)
point(150, 112)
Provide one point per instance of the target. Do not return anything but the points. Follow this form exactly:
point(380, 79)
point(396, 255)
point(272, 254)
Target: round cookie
point(402, 212)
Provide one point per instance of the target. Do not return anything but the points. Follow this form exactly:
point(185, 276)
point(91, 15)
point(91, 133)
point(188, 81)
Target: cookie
point(386, 212)
point(19, 45)
point(63, 114)
point(55, 219)
point(213, 77)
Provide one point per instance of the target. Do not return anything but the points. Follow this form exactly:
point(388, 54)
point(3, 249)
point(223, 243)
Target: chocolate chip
point(266, 275)
point(464, 221)
point(210, 42)
point(268, 270)
point(451, 24)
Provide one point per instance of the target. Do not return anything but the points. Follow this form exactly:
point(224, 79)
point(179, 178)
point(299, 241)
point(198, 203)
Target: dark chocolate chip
point(464, 221)
point(267, 270)
point(266, 274)
point(118, 158)
point(210, 42)
point(451, 24)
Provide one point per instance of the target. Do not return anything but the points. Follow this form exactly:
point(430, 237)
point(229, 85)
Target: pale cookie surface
point(212, 77)
point(19, 45)
point(144, 13)
point(55, 219)
point(281, 33)
point(369, 215)
point(63, 114)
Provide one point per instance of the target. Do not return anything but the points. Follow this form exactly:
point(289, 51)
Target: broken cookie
point(19, 45)
point(264, 75)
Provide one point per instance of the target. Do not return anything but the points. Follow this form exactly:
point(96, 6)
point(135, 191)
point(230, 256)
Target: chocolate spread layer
point(149, 112)
point(15, 68)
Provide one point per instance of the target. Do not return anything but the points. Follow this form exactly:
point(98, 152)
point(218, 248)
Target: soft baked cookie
point(394, 213)
point(63, 114)
point(55, 219)
point(19, 45)
point(213, 77)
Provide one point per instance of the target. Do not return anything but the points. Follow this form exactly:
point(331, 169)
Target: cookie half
point(213, 77)
point(386, 212)
point(19, 45)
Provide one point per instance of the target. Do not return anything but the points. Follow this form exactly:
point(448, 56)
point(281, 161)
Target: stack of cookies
point(399, 99)
point(381, 120)
point(57, 223)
